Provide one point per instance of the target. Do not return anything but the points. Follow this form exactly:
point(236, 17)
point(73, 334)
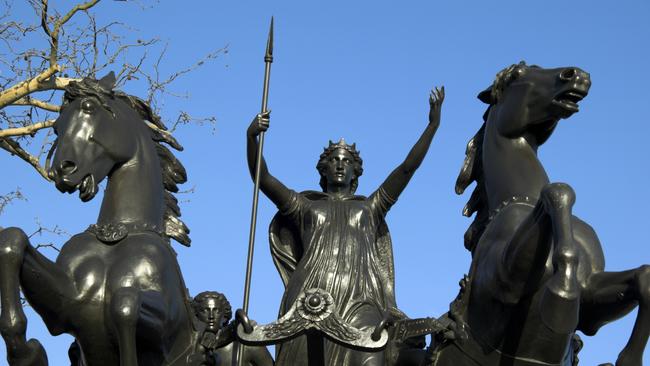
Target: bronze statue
point(216, 338)
point(537, 272)
point(121, 273)
point(336, 241)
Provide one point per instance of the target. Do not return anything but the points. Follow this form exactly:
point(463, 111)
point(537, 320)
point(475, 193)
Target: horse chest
point(84, 259)
point(95, 266)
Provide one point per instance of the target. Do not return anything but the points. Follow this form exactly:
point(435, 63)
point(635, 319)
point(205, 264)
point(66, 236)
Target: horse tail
point(472, 171)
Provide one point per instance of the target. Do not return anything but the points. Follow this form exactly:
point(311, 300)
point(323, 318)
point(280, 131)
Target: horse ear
point(486, 96)
point(108, 81)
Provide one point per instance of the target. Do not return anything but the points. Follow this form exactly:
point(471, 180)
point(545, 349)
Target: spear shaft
point(268, 60)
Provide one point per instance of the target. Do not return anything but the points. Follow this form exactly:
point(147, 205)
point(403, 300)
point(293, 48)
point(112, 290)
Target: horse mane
point(173, 171)
point(472, 169)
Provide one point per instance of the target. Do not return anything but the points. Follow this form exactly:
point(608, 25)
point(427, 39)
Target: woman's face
point(339, 170)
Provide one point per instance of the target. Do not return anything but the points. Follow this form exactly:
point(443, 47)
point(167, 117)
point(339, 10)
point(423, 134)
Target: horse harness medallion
point(112, 233)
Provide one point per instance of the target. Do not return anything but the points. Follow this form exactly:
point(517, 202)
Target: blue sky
point(362, 70)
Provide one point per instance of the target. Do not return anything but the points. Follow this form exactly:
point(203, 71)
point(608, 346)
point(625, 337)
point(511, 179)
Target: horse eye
point(88, 106)
point(520, 72)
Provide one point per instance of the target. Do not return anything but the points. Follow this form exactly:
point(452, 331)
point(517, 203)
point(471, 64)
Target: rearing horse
point(537, 272)
point(115, 287)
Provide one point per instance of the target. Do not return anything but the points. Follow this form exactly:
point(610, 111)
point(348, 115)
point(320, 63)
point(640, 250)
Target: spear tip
point(268, 57)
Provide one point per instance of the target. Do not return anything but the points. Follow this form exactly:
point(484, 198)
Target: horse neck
point(511, 167)
point(134, 192)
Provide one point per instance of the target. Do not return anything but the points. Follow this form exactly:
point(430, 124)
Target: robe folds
point(343, 247)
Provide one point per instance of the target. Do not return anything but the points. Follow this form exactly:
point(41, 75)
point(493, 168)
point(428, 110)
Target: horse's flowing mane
point(472, 169)
point(173, 172)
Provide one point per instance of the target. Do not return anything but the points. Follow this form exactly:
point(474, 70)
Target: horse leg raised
point(548, 227)
point(545, 231)
point(560, 301)
point(611, 295)
point(13, 322)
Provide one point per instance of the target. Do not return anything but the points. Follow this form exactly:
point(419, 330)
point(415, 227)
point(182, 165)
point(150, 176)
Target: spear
point(268, 59)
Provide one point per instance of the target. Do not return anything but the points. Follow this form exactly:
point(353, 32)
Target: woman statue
point(336, 241)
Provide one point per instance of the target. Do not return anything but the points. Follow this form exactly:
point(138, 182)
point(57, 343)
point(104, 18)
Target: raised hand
point(436, 98)
point(259, 124)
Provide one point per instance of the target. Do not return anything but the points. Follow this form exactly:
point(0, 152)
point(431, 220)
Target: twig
point(9, 198)
point(14, 148)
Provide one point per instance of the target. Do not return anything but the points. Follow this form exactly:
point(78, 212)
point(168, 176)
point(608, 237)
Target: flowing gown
point(341, 246)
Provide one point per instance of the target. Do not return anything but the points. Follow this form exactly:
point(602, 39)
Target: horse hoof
point(33, 355)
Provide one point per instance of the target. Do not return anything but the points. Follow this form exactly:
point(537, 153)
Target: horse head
point(94, 134)
point(526, 98)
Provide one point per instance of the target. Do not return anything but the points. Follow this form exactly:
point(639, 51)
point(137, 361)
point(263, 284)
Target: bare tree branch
point(54, 32)
point(26, 87)
point(36, 103)
point(185, 118)
point(13, 147)
point(8, 198)
point(42, 229)
point(156, 85)
point(27, 130)
point(76, 46)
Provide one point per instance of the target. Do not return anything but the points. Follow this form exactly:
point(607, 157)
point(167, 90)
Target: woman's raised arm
point(399, 178)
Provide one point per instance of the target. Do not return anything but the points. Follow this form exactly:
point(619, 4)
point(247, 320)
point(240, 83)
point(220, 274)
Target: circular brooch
point(315, 304)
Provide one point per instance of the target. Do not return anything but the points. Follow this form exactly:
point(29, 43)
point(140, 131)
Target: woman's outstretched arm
point(277, 192)
point(399, 178)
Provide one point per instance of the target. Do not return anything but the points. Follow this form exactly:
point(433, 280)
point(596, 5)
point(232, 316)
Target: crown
point(342, 145)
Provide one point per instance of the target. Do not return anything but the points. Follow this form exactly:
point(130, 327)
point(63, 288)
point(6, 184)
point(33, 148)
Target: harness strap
point(524, 200)
point(409, 328)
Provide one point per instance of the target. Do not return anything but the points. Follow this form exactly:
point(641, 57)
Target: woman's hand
point(259, 124)
point(436, 98)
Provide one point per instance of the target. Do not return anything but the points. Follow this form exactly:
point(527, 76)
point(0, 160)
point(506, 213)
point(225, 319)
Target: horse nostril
point(67, 167)
point(568, 74)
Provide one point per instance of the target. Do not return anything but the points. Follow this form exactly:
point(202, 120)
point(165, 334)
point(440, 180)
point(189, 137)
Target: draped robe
point(340, 245)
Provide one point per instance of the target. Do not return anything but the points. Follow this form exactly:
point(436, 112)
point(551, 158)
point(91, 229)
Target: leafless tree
point(42, 54)
point(39, 57)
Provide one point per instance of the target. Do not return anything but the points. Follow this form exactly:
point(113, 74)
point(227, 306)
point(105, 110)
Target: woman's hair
point(324, 158)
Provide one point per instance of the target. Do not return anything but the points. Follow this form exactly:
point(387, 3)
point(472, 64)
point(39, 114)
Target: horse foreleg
point(611, 295)
point(132, 309)
point(49, 290)
point(125, 309)
point(560, 302)
point(547, 227)
point(13, 322)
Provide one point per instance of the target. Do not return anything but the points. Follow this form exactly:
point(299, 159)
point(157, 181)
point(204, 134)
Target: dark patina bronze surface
point(121, 274)
point(537, 274)
point(337, 242)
